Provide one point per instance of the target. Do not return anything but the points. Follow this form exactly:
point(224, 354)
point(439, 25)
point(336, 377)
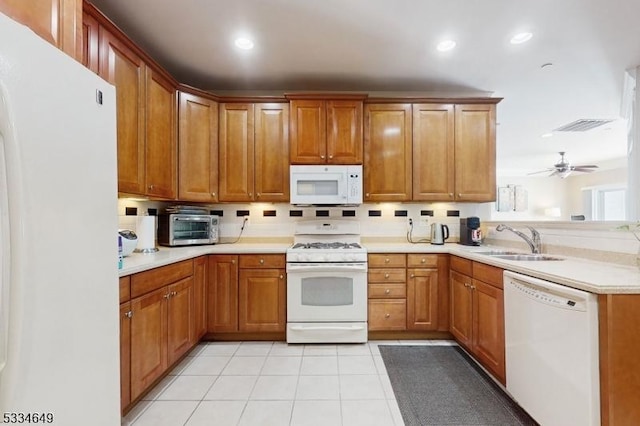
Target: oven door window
point(327, 291)
point(190, 230)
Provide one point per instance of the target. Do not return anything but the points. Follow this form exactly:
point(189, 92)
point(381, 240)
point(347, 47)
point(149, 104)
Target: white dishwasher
point(551, 338)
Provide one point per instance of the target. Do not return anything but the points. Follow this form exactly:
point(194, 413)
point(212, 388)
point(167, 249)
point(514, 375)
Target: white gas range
point(327, 283)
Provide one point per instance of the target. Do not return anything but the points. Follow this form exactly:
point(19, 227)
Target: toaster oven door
point(187, 230)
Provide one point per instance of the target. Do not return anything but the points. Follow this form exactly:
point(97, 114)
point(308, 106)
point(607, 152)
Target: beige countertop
point(594, 277)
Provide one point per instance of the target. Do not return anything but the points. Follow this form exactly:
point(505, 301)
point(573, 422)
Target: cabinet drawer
point(488, 274)
point(387, 291)
point(422, 260)
point(263, 261)
point(388, 314)
point(144, 282)
point(387, 275)
point(387, 260)
point(125, 289)
point(462, 265)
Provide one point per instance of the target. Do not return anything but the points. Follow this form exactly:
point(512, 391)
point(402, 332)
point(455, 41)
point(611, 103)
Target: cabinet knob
point(233, 261)
point(386, 275)
point(387, 260)
point(423, 260)
point(213, 194)
point(262, 261)
point(258, 195)
point(251, 194)
point(387, 291)
point(473, 287)
point(387, 315)
point(330, 157)
point(128, 314)
point(467, 285)
point(412, 276)
point(174, 293)
point(366, 195)
point(167, 296)
point(150, 187)
point(322, 156)
point(459, 195)
point(281, 276)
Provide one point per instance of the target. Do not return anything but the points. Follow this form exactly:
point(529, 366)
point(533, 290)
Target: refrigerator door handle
point(5, 259)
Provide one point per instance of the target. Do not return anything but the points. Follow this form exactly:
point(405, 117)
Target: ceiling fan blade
point(541, 171)
point(586, 166)
point(555, 172)
point(583, 169)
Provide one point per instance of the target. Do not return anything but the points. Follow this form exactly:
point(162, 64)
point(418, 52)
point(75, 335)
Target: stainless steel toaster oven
point(179, 229)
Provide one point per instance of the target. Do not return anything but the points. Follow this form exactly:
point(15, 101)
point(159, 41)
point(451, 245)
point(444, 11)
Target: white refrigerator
point(59, 316)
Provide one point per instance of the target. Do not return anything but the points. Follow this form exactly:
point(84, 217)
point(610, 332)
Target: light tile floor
point(272, 384)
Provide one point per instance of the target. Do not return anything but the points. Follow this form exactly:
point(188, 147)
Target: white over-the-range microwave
point(326, 185)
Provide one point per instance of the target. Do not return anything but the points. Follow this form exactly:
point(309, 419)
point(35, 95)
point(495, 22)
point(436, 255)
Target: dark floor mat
point(441, 385)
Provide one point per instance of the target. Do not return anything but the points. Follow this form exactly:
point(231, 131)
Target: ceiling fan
point(563, 168)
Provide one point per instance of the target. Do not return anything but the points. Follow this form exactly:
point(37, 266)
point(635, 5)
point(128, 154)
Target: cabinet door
point(222, 293)
point(488, 327)
point(123, 68)
point(148, 339)
point(125, 354)
point(198, 149)
point(344, 132)
point(199, 299)
point(262, 300)
point(179, 319)
point(308, 127)
point(475, 152)
point(57, 21)
point(422, 299)
point(236, 152)
point(433, 152)
point(461, 305)
point(387, 152)
point(160, 132)
point(387, 314)
point(90, 42)
point(272, 152)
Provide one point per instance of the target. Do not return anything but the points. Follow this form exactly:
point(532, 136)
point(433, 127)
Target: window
point(606, 202)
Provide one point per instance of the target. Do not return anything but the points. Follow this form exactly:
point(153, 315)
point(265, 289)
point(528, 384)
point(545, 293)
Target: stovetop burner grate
point(333, 245)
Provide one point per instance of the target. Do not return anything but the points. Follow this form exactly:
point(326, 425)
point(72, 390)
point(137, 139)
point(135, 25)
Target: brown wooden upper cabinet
point(57, 21)
point(326, 131)
point(454, 152)
point(253, 152)
point(145, 109)
point(197, 148)
point(387, 152)
point(475, 152)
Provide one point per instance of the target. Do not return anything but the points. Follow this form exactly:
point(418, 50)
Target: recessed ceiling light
point(521, 38)
point(446, 45)
point(244, 43)
point(547, 135)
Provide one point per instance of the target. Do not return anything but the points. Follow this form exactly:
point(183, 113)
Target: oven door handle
point(349, 267)
point(327, 327)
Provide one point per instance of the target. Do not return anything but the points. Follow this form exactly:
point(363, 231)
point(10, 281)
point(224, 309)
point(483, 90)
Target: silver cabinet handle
point(128, 314)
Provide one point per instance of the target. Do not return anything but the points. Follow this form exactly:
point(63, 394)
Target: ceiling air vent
point(582, 125)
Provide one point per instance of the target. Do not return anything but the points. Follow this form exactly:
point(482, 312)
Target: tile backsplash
point(391, 220)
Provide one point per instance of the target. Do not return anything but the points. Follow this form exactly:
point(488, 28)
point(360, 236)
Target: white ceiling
point(389, 46)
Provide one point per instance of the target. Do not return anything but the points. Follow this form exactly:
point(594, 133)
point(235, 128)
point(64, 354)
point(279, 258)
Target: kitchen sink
point(525, 257)
point(497, 252)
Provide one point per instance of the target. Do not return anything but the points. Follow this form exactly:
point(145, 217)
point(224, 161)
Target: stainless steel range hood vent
point(582, 125)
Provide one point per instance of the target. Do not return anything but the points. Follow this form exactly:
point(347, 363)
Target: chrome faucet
point(533, 241)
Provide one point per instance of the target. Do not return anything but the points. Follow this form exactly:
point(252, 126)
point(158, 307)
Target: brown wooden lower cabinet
point(246, 293)
point(125, 354)
point(477, 313)
point(200, 272)
point(422, 299)
point(157, 327)
point(262, 300)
